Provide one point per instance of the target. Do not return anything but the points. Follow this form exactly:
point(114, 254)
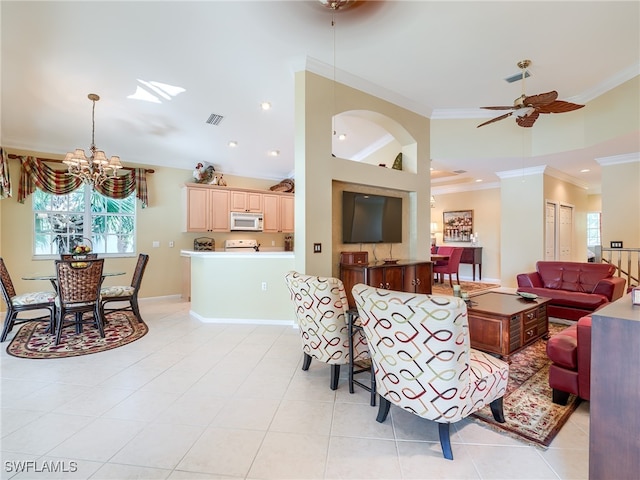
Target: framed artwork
point(457, 226)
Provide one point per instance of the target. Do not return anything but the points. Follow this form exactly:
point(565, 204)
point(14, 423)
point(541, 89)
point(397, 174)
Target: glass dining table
point(52, 277)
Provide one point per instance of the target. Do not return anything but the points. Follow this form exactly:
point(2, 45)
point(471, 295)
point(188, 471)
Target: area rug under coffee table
point(470, 287)
point(528, 410)
point(33, 340)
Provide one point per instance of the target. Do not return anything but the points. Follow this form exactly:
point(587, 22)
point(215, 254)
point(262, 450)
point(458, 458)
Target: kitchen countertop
point(220, 253)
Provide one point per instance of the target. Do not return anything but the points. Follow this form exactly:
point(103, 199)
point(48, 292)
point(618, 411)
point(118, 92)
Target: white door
point(565, 233)
point(550, 231)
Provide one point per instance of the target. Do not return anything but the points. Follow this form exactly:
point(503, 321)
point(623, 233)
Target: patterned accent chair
point(126, 293)
point(320, 308)
point(423, 360)
point(23, 302)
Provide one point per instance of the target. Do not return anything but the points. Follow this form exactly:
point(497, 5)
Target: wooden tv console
point(401, 275)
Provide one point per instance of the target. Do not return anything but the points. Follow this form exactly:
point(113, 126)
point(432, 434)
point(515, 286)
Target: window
point(62, 221)
point(593, 229)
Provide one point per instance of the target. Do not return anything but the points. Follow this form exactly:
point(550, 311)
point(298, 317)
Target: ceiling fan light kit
point(527, 109)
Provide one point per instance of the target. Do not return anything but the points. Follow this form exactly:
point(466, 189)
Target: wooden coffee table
point(504, 323)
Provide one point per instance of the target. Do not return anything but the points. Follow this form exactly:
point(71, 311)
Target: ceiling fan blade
point(559, 106)
point(501, 117)
point(499, 108)
point(528, 120)
point(541, 99)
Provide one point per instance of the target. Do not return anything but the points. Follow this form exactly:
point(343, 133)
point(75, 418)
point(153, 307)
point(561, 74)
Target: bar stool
point(353, 325)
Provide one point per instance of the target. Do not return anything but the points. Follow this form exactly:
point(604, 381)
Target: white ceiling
point(440, 59)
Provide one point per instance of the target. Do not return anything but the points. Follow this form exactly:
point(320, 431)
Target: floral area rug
point(33, 340)
point(471, 287)
point(528, 410)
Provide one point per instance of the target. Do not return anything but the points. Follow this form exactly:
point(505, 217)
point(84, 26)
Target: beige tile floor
point(197, 401)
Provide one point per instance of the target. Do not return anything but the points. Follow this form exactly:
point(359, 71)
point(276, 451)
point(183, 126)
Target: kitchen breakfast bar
point(238, 287)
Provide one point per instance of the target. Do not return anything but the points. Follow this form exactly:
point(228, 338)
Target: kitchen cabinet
point(206, 210)
point(404, 276)
point(243, 201)
point(278, 212)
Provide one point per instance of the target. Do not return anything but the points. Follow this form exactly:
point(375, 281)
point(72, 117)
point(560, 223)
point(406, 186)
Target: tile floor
point(199, 401)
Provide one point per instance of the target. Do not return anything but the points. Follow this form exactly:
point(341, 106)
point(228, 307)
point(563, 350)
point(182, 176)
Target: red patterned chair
point(423, 359)
point(321, 307)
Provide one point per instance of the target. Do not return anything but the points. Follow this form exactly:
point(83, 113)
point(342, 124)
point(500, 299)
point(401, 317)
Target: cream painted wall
point(594, 203)
point(486, 207)
point(521, 225)
point(621, 203)
point(316, 169)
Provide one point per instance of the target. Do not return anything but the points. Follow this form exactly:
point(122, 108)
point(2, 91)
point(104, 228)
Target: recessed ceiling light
point(233, 143)
point(274, 153)
point(585, 170)
point(478, 180)
point(265, 106)
point(342, 136)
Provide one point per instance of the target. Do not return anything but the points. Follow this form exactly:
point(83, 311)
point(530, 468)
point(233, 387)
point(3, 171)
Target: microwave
point(247, 221)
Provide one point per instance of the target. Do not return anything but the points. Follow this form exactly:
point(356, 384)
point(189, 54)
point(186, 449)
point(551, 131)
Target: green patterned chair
point(321, 307)
point(22, 303)
point(126, 293)
point(423, 360)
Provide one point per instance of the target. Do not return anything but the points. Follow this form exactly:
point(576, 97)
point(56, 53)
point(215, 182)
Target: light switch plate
point(317, 248)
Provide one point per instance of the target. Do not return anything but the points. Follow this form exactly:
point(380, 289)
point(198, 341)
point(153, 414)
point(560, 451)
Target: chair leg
point(9, 320)
point(497, 411)
point(98, 317)
point(306, 362)
point(559, 397)
point(58, 329)
point(136, 309)
point(450, 282)
point(383, 409)
point(335, 375)
point(445, 440)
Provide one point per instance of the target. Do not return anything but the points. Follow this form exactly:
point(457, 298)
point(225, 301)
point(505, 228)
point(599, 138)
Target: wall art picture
point(457, 226)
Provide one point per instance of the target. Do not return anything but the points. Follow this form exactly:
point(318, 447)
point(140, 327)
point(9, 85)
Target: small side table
point(353, 325)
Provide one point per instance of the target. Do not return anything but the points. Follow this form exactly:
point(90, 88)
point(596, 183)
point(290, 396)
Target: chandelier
point(95, 169)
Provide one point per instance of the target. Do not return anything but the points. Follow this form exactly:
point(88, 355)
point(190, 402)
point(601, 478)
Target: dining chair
point(29, 301)
point(321, 313)
point(451, 266)
point(78, 293)
point(126, 293)
point(423, 360)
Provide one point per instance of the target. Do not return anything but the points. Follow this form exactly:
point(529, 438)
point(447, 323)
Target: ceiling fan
point(527, 109)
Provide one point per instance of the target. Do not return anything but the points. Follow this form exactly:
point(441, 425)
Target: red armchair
point(451, 265)
point(570, 352)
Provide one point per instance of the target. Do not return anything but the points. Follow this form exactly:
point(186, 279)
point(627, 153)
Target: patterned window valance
point(35, 173)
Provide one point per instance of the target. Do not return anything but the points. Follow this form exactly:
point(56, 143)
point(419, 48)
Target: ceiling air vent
point(517, 76)
point(459, 171)
point(214, 119)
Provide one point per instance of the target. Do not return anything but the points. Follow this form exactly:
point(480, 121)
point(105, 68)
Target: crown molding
point(542, 169)
point(460, 188)
point(617, 159)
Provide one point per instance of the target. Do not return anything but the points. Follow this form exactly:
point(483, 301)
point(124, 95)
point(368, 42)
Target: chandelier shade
point(96, 168)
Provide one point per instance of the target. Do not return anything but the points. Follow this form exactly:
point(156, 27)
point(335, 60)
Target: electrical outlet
point(273, 243)
point(156, 244)
point(171, 244)
point(264, 286)
point(317, 248)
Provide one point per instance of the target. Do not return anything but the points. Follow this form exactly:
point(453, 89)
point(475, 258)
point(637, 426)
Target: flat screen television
point(368, 218)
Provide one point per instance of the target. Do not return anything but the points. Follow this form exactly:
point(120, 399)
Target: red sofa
point(570, 352)
point(575, 289)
